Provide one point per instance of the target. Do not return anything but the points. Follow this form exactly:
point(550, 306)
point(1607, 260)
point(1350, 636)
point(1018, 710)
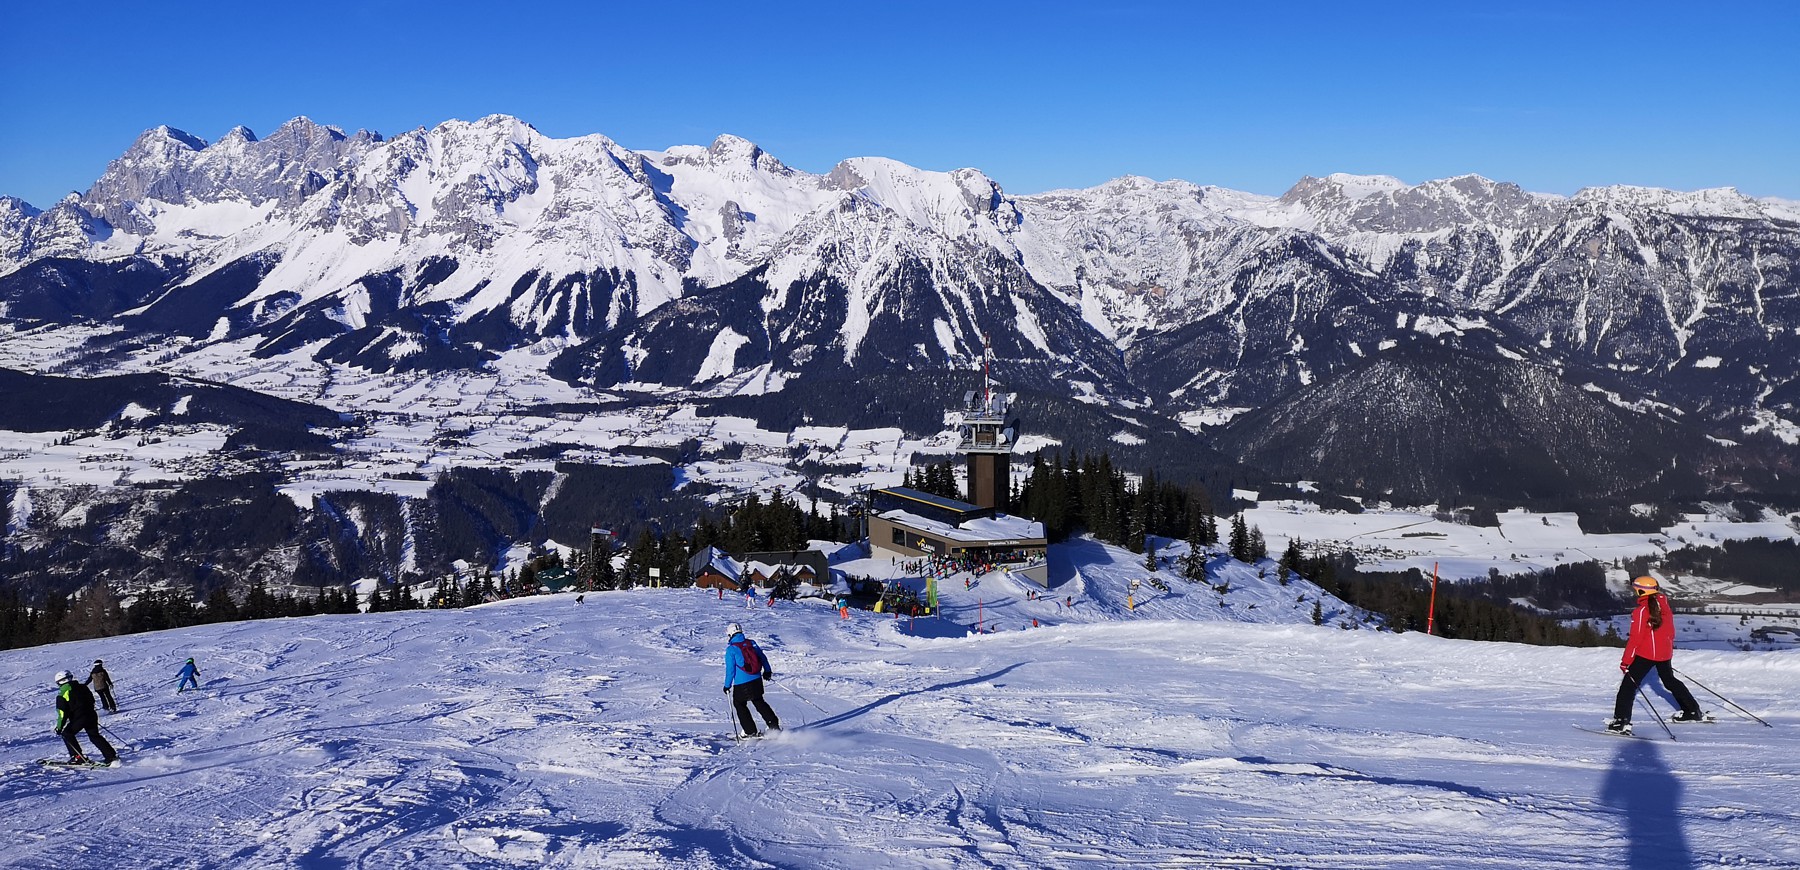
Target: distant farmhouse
point(713, 568)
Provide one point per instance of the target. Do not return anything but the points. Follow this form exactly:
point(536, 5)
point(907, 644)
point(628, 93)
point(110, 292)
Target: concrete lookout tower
point(986, 441)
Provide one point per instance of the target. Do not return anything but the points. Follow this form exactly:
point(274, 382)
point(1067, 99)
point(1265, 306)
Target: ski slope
point(540, 732)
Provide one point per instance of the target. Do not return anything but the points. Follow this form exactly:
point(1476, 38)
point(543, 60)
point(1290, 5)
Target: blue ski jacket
point(734, 662)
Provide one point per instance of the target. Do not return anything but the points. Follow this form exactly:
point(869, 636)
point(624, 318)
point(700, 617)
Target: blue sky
point(1553, 96)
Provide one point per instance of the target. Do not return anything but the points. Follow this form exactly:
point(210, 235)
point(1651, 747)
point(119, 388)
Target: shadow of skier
point(888, 699)
point(1642, 787)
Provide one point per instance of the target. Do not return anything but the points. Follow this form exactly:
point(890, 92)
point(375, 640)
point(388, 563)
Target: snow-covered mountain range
point(1646, 341)
point(479, 236)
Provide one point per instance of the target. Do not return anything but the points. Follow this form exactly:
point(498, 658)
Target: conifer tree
point(218, 607)
point(1193, 565)
point(258, 604)
point(606, 577)
point(95, 613)
point(1149, 514)
point(49, 624)
point(1240, 539)
point(1290, 559)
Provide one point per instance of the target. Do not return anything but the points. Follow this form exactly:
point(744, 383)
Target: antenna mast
point(987, 375)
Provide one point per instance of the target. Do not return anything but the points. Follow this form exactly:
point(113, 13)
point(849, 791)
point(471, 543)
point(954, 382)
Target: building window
point(899, 537)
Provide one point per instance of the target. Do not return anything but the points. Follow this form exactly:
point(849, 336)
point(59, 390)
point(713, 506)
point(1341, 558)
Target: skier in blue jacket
point(745, 669)
point(189, 677)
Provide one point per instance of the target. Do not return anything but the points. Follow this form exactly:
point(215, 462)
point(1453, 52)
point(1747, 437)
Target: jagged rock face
point(16, 216)
point(711, 266)
point(175, 168)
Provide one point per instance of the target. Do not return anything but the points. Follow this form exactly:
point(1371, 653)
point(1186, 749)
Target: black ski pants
point(745, 694)
point(1634, 676)
point(93, 732)
point(106, 700)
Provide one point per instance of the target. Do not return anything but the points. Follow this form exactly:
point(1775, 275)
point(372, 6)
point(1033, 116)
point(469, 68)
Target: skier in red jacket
point(1651, 644)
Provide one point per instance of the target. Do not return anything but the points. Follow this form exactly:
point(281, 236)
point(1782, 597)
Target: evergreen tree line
point(1577, 589)
point(937, 478)
point(96, 612)
point(1069, 495)
point(755, 525)
point(1758, 562)
point(777, 524)
point(1470, 610)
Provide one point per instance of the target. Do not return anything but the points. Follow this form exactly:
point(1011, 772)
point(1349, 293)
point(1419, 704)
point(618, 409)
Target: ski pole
point(731, 715)
point(1653, 711)
point(804, 720)
point(1732, 703)
point(803, 699)
point(123, 745)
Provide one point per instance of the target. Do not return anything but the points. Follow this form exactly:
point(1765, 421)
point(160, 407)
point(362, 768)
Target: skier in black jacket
point(75, 712)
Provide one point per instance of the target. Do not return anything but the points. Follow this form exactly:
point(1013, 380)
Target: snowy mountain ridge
point(331, 208)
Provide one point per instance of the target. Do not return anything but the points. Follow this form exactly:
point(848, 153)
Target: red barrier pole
point(1431, 614)
point(977, 617)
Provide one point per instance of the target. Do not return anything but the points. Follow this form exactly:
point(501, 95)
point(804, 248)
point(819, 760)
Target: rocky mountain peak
point(162, 138)
point(15, 230)
point(1711, 202)
point(239, 135)
point(13, 208)
point(844, 176)
point(1340, 187)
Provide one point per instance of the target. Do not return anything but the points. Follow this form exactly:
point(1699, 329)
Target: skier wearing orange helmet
point(1650, 645)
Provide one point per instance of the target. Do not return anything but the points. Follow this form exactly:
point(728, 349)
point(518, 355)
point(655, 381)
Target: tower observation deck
point(986, 441)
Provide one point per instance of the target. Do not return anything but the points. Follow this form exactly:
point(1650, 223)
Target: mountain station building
point(908, 524)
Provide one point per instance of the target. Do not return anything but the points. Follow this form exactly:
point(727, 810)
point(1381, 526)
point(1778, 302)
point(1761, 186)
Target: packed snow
point(545, 732)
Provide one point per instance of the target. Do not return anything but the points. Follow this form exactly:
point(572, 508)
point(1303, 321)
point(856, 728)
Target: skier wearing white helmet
point(745, 668)
point(75, 712)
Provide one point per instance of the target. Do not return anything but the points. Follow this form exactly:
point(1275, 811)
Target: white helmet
point(64, 677)
point(733, 629)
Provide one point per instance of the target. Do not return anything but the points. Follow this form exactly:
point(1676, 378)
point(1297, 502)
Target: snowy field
point(1395, 539)
point(539, 732)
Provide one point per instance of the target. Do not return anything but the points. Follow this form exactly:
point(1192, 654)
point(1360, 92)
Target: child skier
point(1650, 645)
point(189, 676)
point(745, 668)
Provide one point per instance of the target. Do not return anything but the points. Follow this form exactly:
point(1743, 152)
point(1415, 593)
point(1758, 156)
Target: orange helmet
point(1645, 585)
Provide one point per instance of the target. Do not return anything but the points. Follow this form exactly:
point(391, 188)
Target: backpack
point(753, 663)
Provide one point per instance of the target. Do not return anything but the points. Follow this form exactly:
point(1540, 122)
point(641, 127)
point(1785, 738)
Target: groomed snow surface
point(542, 732)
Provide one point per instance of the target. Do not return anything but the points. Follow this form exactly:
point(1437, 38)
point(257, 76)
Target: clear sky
point(1555, 96)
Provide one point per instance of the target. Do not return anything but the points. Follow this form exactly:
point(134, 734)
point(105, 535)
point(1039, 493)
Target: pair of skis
point(84, 763)
point(1708, 718)
point(1610, 733)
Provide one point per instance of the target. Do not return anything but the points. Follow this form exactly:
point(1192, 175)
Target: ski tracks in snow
point(538, 734)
